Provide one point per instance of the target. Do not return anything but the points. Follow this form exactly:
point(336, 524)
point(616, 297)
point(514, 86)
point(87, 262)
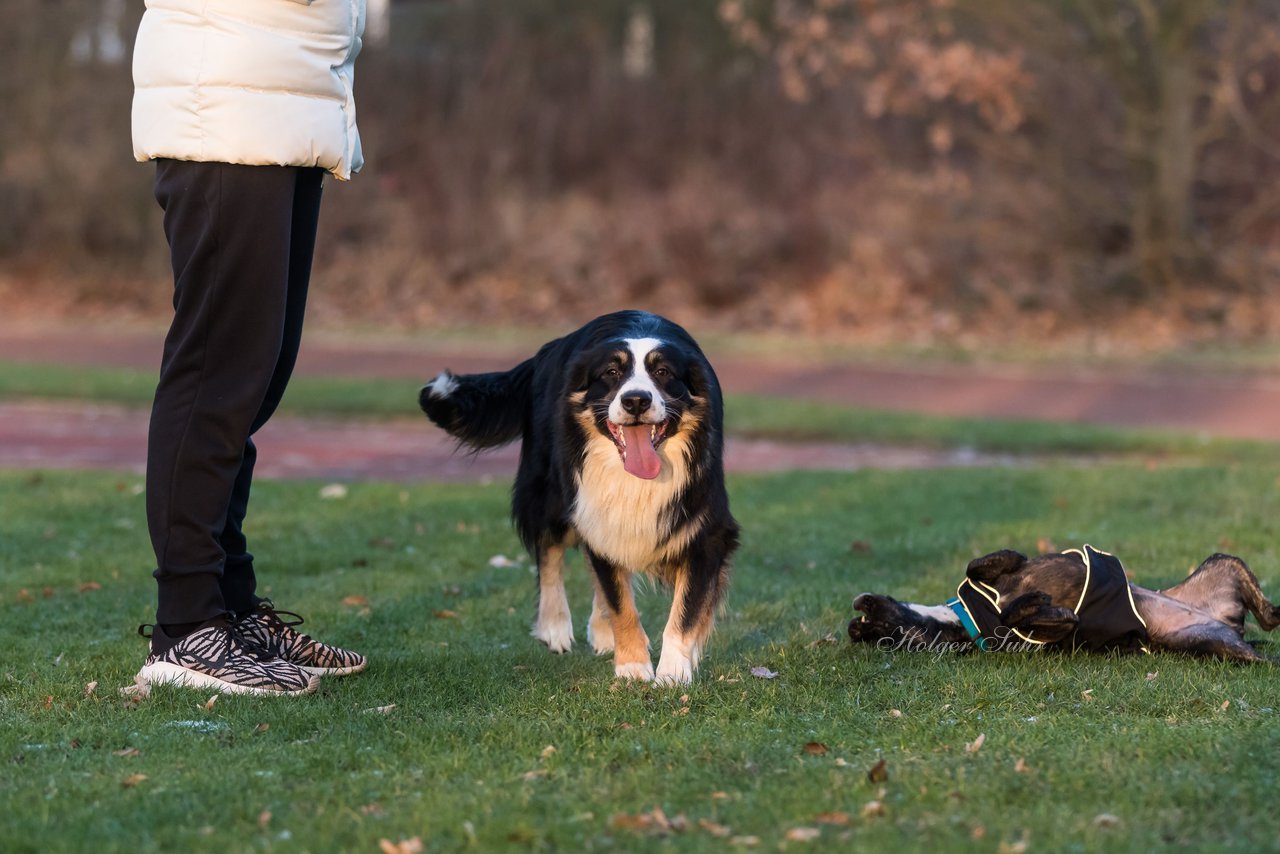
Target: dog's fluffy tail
point(480, 410)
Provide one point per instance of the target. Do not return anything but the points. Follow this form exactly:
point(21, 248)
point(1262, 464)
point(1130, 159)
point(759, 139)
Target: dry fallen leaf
point(745, 841)
point(128, 752)
point(840, 819)
point(879, 772)
point(977, 833)
point(1045, 546)
point(802, 834)
point(1021, 766)
point(718, 830)
point(333, 491)
point(263, 727)
point(1106, 819)
point(137, 692)
point(1087, 694)
point(501, 561)
point(1151, 677)
point(445, 614)
point(976, 745)
point(860, 547)
point(873, 809)
point(132, 780)
point(719, 796)
point(763, 673)
point(90, 688)
point(355, 600)
point(530, 776)
point(208, 705)
point(412, 845)
point(815, 748)
point(895, 713)
point(87, 586)
point(548, 750)
point(1018, 847)
point(264, 819)
point(623, 821)
point(382, 710)
point(655, 821)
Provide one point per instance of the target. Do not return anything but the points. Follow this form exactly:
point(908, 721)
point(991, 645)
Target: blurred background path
point(66, 435)
point(1243, 406)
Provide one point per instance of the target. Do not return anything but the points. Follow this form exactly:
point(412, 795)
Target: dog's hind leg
point(630, 643)
point(1226, 588)
point(1211, 640)
point(553, 625)
point(600, 626)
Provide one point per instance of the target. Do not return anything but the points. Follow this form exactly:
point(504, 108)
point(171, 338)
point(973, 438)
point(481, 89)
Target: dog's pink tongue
point(641, 459)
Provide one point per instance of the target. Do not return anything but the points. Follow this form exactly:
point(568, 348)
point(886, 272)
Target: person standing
point(244, 105)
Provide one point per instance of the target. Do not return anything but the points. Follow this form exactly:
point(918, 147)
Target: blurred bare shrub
point(905, 169)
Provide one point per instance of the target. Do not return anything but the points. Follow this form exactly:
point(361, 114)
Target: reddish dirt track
point(41, 435)
point(68, 435)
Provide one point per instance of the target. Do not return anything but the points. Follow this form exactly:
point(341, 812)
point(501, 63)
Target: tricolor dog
point(1077, 599)
point(621, 424)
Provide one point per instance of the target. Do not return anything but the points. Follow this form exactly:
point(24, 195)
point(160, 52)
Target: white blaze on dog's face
point(636, 393)
point(638, 400)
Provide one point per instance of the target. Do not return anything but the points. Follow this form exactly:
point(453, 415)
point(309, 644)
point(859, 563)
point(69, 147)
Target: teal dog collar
point(957, 607)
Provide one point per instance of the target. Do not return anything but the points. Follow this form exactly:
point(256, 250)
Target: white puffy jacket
point(258, 82)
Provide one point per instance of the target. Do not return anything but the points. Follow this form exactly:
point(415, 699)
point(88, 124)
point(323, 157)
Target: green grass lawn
point(466, 733)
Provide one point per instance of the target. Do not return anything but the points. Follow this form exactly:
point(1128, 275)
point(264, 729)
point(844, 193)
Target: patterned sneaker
point(216, 656)
point(264, 627)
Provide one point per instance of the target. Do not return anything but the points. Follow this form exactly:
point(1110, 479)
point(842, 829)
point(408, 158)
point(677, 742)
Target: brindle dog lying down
point(1078, 599)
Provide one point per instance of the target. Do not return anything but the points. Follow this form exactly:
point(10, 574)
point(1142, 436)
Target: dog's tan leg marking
point(553, 625)
point(600, 626)
point(631, 645)
point(680, 649)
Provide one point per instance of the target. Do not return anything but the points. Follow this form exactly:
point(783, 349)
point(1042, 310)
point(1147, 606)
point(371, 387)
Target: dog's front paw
point(636, 671)
point(675, 672)
point(557, 635)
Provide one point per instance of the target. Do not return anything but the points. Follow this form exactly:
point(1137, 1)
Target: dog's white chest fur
point(620, 517)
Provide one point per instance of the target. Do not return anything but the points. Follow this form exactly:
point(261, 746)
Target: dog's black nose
point(636, 402)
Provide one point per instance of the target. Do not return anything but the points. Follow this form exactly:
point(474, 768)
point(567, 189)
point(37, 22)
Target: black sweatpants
point(241, 239)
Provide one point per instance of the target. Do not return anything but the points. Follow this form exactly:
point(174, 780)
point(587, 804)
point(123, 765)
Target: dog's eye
point(661, 373)
point(612, 373)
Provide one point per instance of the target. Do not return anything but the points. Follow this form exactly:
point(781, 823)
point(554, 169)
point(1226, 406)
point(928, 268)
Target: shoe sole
point(164, 673)
point(335, 671)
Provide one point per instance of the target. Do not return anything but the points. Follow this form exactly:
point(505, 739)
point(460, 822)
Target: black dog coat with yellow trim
point(1107, 617)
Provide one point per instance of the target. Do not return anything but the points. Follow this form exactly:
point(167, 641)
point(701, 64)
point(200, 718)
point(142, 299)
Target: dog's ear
point(578, 374)
point(990, 567)
point(700, 379)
